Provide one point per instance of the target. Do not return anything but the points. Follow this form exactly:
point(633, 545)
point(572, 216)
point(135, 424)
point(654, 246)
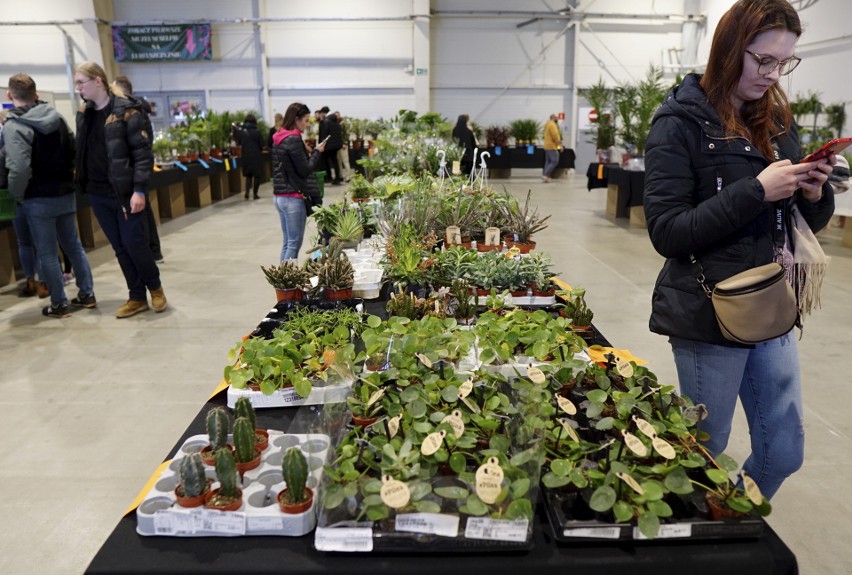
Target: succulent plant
point(217, 427)
point(243, 408)
point(244, 439)
point(287, 275)
point(294, 468)
point(192, 476)
point(226, 471)
point(349, 227)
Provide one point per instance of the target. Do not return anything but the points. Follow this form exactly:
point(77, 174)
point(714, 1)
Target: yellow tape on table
point(598, 353)
point(223, 385)
point(561, 284)
point(150, 484)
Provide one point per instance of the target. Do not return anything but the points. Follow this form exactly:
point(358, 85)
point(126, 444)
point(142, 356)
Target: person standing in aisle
point(463, 135)
point(321, 117)
point(343, 152)
point(40, 160)
point(293, 181)
point(123, 84)
point(249, 138)
point(332, 147)
point(721, 164)
point(552, 147)
point(114, 163)
point(279, 123)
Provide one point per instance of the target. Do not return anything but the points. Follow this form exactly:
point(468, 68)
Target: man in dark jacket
point(40, 161)
point(332, 147)
point(114, 163)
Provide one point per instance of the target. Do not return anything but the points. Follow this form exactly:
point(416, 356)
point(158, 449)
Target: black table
point(631, 188)
point(520, 157)
point(598, 175)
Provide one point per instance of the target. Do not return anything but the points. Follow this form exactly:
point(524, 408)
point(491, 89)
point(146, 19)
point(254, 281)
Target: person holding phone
point(720, 172)
point(293, 181)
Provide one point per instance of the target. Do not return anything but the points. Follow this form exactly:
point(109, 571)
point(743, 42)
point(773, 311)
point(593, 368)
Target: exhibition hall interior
point(329, 208)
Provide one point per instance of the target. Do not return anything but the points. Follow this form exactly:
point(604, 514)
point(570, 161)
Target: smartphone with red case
point(833, 147)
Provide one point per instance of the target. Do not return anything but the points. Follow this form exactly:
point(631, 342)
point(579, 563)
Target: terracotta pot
point(209, 457)
point(359, 200)
point(481, 247)
point(337, 294)
point(519, 293)
point(249, 465)
point(465, 245)
point(482, 292)
point(216, 153)
point(192, 157)
point(204, 156)
point(364, 421)
point(524, 247)
point(261, 439)
point(718, 510)
point(295, 508)
point(357, 144)
point(181, 158)
point(289, 294)
point(236, 151)
point(546, 293)
point(211, 503)
point(185, 501)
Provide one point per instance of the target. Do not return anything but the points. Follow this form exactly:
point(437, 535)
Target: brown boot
point(30, 288)
point(132, 307)
point(158, 300)
point(43, 292)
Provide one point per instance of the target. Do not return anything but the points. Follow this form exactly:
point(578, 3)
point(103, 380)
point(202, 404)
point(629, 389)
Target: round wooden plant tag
point(489, 480)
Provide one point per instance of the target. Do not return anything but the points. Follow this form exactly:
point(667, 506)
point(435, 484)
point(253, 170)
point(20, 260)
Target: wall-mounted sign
point(162, 43)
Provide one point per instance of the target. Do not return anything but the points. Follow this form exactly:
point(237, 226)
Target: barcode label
point(265, 523)
point(190, 522)
point(496, 529)
point(347, 539)
point(672, 531)
point(433, 523)
point(593, 532)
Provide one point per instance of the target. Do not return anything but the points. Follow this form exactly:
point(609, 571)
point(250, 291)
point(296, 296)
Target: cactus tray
point(259, 514)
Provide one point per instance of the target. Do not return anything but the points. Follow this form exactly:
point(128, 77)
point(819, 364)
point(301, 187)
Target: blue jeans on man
point(127, 234)
point(26, 247)
point(551, 160)
point(293, 215)
point(767, 380)
point(53, 220)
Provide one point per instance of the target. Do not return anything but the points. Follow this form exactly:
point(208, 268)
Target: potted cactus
point(217, 431)
point(334, 272)
point(243, 408)
point(296, 497)
point(288, 279)
point(194, 484)
point(245, 446)
point(227, 497)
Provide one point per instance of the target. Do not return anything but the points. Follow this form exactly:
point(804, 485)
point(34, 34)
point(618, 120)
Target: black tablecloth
point(598, 175)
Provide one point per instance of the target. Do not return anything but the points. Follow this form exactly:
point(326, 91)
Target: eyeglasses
point(79, 83)
point(767, 64)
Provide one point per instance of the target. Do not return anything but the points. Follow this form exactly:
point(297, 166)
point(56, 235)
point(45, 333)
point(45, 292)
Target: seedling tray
point(159, 513)
point(322, 393)
point(572, 522)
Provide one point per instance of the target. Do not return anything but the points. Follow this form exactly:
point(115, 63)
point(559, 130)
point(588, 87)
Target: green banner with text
point(162, 43)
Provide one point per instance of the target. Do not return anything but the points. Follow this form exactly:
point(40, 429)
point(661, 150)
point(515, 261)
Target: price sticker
point(345, 539)
point(535, 375)
point(489, 480)
point(394, 493)
point(424, 359)
point(752, 490)
point(572, 433)
point(393, 426)
point(497, 529)
point(433, 442)
point(624, 367)
point(635, 444)
point(454, 420)
point(645, 427)
point(628, 479)
point(566, 405)
point(435, 523)
point(663, 447)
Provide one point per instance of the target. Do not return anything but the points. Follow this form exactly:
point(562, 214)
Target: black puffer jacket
point(130, 161)
point(702, 197)
point(292, 169)
point(251, 142)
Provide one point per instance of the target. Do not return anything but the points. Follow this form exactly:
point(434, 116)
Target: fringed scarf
point(806, 265)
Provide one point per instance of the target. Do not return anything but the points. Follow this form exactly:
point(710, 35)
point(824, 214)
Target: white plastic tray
point(321, 394)
point(159, 514)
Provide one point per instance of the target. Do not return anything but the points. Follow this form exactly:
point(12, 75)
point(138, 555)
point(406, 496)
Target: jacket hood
point(688, 100)
point(282, 133)
point(40, 117)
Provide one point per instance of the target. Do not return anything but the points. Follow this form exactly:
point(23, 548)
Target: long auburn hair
point(758, 120)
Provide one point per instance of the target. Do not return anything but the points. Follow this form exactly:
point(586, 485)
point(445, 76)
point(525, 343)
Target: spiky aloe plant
point(217, 427)
point(294, 468)
point(243, 408)
point(192, 476)
point(244, 439)
point(226, 471)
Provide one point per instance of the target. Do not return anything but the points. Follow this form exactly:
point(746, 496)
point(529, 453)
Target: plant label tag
point(663, 447)
point(492, 236)
point(314, 281)
point(752, 490)
point(635, 444)
point(671, 531)
point(566, 405)
point(230, 523)
point(489, 480)
point(497, 529)
point(645, 427)
point(465, 388)
point(593, 532)
point(535, 375)
point(424, 359)
point(433, 442)
point(394, 493)
point(572, 433)
point(433, 523)
point(256, 524)
point(393, 426)
point(454, 420)
point(513, 252)
point(345, 539)
point(456, 167)
point(624, 367)
point(453, 235)
point(628, 479)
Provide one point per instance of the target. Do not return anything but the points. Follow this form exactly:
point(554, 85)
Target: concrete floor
point(92, 404)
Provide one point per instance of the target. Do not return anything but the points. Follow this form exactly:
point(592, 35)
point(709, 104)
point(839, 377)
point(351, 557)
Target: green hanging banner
point(162, 43)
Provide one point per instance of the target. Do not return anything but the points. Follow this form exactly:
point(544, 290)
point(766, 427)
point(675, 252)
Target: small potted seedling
point(243, 408)
point(245, 446)
point(217, 432)
point(296, 497)
point(194, 484)
point(227, 497)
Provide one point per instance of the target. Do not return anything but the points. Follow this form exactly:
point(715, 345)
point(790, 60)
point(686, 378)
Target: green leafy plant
point(497, 135)
point(348, 227)
point(525, 131)
point(523, 221)
point(286, 275)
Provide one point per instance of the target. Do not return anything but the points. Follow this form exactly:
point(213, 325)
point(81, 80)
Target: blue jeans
point(129, 239)
point(54, 220)
point(26, 247)
point(293, 216)
point(551, 159)
point(767, 380)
